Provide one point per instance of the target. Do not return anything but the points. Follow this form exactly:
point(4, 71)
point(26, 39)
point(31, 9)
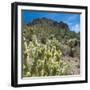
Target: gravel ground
point(74, 64)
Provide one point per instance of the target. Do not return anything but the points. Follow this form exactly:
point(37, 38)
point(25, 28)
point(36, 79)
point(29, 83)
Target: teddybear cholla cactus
point(43, 59)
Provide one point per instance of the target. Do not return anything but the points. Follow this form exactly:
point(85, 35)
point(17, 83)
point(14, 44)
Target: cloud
point(75, 27)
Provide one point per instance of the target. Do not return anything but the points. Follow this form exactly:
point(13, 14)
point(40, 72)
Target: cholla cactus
point(43, 59)
point(73, 43)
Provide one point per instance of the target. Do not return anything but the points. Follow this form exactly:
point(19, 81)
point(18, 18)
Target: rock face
point(49, 22)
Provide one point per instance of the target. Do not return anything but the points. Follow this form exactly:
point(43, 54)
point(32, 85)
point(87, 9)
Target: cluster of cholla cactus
point(43, 59)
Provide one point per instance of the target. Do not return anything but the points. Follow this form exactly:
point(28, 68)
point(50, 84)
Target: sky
point(73, 20)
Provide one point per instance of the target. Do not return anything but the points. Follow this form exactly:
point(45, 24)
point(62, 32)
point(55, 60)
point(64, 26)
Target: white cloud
point(75, 27)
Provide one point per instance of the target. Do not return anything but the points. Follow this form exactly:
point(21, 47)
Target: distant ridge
point(49, 22)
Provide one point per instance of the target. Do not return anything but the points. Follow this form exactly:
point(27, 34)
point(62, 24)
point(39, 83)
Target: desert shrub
point(76, 52)
point(73, 44)
point(43, 59)
point(65, 49)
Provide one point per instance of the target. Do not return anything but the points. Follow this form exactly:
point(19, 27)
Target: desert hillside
point(50, 48)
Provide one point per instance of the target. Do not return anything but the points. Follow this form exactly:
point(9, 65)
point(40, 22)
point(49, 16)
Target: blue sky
point(73, 20)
